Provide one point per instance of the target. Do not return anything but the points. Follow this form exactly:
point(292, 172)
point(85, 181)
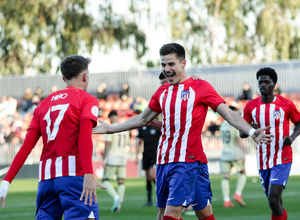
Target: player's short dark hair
point(267, 71)
point(73, 65)
point(170, 48)
point(161, 76)
point(232, 108)
point(112, 113)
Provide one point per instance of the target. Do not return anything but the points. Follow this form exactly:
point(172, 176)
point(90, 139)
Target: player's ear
point(64, 79)
point(84, 77)
point(183, 64)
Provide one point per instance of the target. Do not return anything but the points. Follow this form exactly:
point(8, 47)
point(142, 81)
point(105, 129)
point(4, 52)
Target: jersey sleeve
point(247, 113)
point(294, 114)
point(34, 124)
point(89, 109)
point(154, 104)
point(85, 145)
point(210, 96)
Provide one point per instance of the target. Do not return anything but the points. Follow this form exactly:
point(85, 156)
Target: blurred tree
point(35, 32)
point(278, 29)
point(216, 31)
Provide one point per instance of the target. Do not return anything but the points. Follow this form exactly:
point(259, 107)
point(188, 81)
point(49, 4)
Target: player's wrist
point(4, 188)
point(251, 132)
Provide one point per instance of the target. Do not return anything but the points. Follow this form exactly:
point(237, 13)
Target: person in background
point(124, 94)
point(274, 159)
point(114, 162)
point(247, 93)
point(102, 92)
point(232, 157)
point(39, 92)
point(27, 99)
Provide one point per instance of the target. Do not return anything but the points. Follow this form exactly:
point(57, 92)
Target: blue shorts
point(60, 196)
point(175, 183)
point(277, 175)
point(203, 191)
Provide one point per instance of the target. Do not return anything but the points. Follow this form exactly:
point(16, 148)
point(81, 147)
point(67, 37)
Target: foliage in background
point(216, 31)
point(34, 32)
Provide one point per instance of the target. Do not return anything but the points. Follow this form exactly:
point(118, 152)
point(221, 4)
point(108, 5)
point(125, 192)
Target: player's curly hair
point(267, 71)
point(73, 65)
point(170, 48)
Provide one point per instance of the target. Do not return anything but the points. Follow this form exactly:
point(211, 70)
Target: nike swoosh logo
point(273, 179)
point(170, 199)
point(194, 204)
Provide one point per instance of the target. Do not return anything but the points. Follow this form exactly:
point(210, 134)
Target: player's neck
point(268, 98)
point(75, 85)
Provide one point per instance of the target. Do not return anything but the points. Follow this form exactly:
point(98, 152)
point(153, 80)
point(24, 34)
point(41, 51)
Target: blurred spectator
point(139, 103)
point(27, 99)
point(276, 90)
point(124, 94)
point(11, 107)
point(3, 103)
point(102, 92)
point(35, 102)
point(39, 92)
point(53, 89)
point(247, 93)
point(214, 127)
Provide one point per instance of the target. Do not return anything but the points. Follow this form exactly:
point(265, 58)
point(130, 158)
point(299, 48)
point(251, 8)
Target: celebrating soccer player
point(275, 158)
point(183, 103)
point(65, 120)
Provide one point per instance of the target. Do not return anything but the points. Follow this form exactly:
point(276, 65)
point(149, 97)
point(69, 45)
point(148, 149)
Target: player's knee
point(120, 181)
point(273, 200)
point(226, 176)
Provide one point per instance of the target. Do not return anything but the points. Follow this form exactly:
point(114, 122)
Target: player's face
point(265, 85)
point(172, 68)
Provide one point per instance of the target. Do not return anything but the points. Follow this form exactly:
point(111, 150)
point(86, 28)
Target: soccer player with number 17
point(65, 120)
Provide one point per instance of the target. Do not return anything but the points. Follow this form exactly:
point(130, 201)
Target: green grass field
point(20, 203)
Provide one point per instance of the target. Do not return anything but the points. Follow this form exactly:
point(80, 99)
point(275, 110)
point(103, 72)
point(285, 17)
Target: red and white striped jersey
point(277, 115)
point(57, 118)
point(184, 107)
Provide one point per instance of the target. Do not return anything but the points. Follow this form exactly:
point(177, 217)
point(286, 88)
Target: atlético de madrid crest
point(185, 94)
point(277, 114)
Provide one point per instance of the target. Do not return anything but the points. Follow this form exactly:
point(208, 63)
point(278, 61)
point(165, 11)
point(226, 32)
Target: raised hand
point(102, 128)
point(260, 137)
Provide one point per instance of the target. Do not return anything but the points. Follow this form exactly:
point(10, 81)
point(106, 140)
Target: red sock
point(285, 216)
point(211, 217)
point(167, 217)
point(273, 217)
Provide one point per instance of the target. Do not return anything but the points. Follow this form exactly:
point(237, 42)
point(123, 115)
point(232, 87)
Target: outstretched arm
point(243, 135)
point(239, 123)
point(132, 123)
